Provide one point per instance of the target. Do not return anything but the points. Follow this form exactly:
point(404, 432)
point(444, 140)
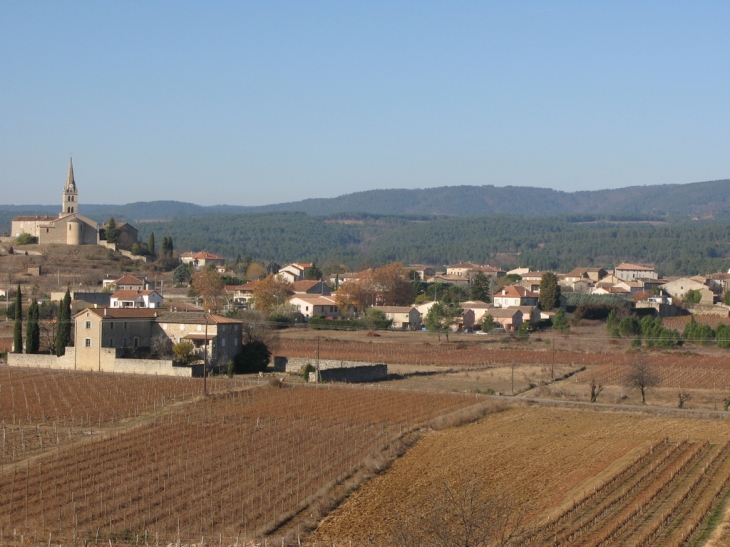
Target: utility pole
point(205, 358)
point(317, 379)
point(552, 368)
point(513, 379)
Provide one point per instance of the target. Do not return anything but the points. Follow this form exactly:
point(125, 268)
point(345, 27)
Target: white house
point(135, 299)
point(201, 259)
point(315, 304)
point(627, 272)
point(294, 271)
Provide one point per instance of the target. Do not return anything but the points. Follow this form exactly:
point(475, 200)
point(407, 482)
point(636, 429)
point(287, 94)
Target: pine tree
point(18, 327)
point(560, 322)
point(480, 288)
point(32, 330)
point(151, 244)
point(63, 325)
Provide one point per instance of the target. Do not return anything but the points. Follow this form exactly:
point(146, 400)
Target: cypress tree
point(480, 288)
point(18, 327)
point(63, 326)
point(549, 292)
point(32, 330)
point(151, 244)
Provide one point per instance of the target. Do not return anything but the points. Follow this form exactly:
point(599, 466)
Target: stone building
point(69, 228)
point(99, 329)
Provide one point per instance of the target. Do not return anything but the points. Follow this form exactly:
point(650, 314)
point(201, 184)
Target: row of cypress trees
point(32, 327)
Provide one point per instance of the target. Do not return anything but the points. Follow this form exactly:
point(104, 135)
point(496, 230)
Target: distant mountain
point(704, 199)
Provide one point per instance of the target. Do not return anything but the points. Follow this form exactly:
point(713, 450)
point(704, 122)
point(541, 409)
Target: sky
point(251, 103)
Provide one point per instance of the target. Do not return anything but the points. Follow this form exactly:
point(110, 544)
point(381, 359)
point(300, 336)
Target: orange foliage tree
point(210, 285)
point(270, 292)
point(388, 285)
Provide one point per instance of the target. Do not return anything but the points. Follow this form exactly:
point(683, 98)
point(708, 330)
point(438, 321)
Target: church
point(69, 228)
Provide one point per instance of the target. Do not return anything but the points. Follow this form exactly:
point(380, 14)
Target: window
point(223, 342)
point(87, 325)
point(124, 343)
point(111, 342)
point(235, 341)
point(111, 326)
point(136, 341)
point(87, 342)
point(124, 325)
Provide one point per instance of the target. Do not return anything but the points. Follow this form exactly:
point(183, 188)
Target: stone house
point(628, 272)
point(99, 329)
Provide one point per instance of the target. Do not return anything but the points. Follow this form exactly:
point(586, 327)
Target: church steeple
point(70, 193)
point(70, 182)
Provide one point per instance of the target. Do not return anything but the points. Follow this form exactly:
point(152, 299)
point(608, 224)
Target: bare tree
point(683, 396)
point(462, 513)
point(256, 328)
point(641, 377)
point(596, 389)
point(161, 347)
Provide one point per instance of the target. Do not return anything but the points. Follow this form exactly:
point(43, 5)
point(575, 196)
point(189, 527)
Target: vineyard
point(682, 372)
point(681, 321)
point(234, 464)
point(584, 479)
point(674, 370)
point(41, 408)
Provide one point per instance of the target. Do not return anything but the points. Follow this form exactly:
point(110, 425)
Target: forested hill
point(557, 243)
point(703, 199)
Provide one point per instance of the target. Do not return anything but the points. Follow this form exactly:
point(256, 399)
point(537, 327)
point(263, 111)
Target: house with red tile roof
point(513, 296)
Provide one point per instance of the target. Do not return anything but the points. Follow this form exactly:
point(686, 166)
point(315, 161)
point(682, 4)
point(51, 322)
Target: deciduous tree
point(210, 286)
point(255, 271)
point(270, 292)
point(641, 377)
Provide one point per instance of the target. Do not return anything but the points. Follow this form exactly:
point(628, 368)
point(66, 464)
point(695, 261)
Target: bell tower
point(70, 193)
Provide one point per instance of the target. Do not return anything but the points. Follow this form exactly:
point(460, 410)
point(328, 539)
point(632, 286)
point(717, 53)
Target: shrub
point(306, 370)
point(254, 357)
point(25, 239)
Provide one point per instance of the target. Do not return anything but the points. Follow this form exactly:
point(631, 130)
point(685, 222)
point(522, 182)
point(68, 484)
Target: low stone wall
point(331, 370)
point(352, 375)
point(65, 362)
point(112, 364)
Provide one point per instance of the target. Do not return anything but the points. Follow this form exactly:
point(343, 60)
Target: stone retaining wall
point(332, 370)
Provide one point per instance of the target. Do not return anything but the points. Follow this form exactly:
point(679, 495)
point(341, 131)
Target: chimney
point(503, 292)
point(104, 312)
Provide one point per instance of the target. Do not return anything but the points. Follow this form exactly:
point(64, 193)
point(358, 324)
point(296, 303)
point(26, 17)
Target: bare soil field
point(495, 379)
point(583, 478)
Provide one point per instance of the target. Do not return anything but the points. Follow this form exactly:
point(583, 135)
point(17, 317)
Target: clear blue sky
point(250, 103)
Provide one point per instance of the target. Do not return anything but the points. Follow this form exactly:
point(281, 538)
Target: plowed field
point(585, 478)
